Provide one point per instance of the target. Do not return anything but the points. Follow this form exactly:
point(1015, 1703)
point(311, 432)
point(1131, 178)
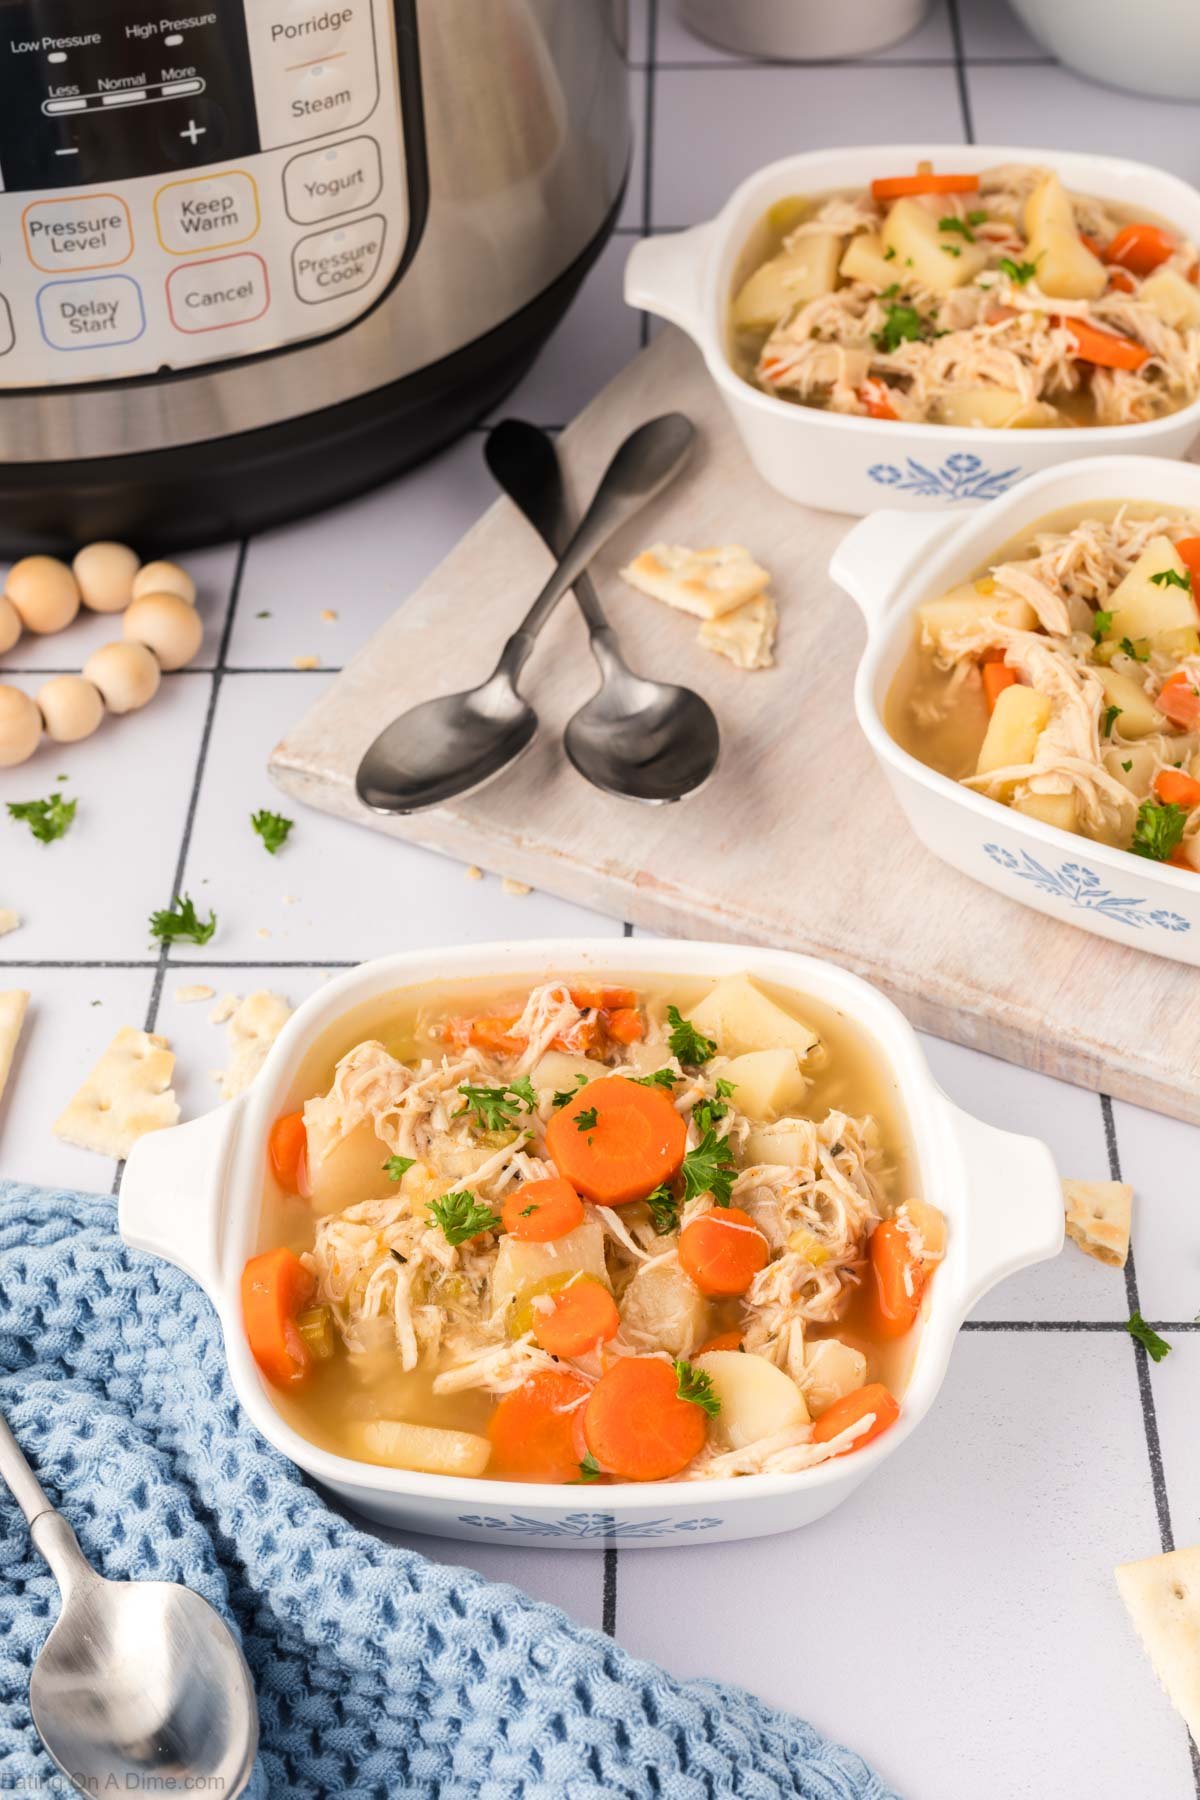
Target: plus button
point(193, 132)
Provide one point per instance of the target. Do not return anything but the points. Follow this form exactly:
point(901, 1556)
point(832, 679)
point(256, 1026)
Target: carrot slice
point(1179, 859)
point(897, 187)
point(540, 1211)
point(722, 1251)
point(287, 1148)
point(896, 1280)
point(1104, 348)
point(874, 1398)
point(1179, 700)
point(1141, 247)
point(625, 1025)
point(874, 395)
point(616, 1141)
point(587, 997)
point(493, 1034)
point(1189, 555)
point(636, 1425)
point(584, 1317)
point(996, 677)
point(533, 1431)
point(1176, 788)
point(275, 1287)
point(1120, 281)
point(724, 1340)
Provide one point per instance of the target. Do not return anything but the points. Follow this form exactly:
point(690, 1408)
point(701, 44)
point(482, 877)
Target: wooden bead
point(71, 708)
point(126, 674)
point(164, 578)
point(167, 625)
point(44, 592)
point(105, 573)
point(20, 727)
point(10, 624)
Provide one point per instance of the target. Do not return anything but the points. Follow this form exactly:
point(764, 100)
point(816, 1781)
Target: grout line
point(1158, 1480)
point(960, 70)
point(608, 1615)
point(184, 963)
point(715, 64)
point(648, 119)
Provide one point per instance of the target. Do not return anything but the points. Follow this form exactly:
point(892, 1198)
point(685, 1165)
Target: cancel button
point(210, 296)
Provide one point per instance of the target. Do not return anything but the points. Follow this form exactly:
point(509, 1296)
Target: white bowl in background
point(889, 564)
point(852, 465)
point(193, 1195)
point(803, 30)
point(1150, 48)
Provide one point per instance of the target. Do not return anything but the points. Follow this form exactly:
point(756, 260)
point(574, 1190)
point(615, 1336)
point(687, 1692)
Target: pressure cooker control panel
point(185, 188)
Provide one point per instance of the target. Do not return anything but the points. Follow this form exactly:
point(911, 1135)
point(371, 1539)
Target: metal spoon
point(139, 1682)
point(645, 740)
point(452, 745)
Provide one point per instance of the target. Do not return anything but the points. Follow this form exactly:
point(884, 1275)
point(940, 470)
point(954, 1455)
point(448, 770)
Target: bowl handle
point(1016, 1206)
point(876, 557)
point(662, 274)
point(172, 1189)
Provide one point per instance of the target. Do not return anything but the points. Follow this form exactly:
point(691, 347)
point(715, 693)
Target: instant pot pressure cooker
point(258, 254)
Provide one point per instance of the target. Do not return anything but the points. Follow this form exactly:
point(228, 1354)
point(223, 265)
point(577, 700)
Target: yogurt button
point(320, 184)
point(327, 264)
point(209, 296)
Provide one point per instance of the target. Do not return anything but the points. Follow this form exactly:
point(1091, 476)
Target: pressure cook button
point(209, 296)
point(320, 184)
point(88, 315)
point(327, 264)
point(88, 231)
point(206, 211)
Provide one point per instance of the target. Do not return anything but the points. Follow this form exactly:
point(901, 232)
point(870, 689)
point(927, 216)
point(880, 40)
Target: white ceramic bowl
point(854, 465)
point(1150, 48)
point(891, 562)
point(193, 1196)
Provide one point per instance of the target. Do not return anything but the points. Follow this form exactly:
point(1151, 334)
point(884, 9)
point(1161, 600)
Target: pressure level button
point(88, 231)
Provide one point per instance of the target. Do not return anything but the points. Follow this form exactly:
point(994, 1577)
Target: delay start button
point(320, 184)
point(210, 296)
point(88, 231)
point(326, 264)
point(89, 315)
point(206, 211)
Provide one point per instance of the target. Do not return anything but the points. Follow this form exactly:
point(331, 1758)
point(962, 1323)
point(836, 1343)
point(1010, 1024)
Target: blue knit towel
point(378, 1673)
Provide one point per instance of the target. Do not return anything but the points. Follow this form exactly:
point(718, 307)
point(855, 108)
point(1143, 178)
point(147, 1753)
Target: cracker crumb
point(306, 662)
point(291, 899)
point(262, 932)
point(328, 617)
point(474, 872)
point(225, 1008)
point(197, 991)
point(518, 889)
point(254, 1024)
point(9, 920)
point(127, 1094)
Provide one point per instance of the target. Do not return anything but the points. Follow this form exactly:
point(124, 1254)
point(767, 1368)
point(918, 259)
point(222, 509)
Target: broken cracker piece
point(474, 872)
point(13, 1002)
point(306, 662)
point(1162, 1597)
point(127, 1094)
point(225, 1008)
point(518, 889)
point(197, 991)
point(1099, 1217)
point(706, 583)
point(254, 1025)
point(9, 919)
point(746, 635)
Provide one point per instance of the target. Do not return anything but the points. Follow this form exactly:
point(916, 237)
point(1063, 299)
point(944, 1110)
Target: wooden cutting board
point(797, 840)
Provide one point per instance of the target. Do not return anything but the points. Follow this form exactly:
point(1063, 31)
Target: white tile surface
point(746, 116)
point(992, 28)
point(1048, 105)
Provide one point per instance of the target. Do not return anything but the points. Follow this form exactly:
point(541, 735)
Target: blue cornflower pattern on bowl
point(585, 1525)
point(1081, 888)
point(961, 477)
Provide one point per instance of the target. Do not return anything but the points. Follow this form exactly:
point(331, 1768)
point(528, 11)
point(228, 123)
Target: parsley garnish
point(461, 1216)
point(1101, 625)
point(889, 253)
point(272, 828)
point(1158, 830)
point(949, 223)
point(587, 1119)
point(694, 1386)
point(1155, 1347)
point(664, 1210)
point(1131, 649)
point(47, 819)
point(1111, 715)
point(493, 1109)
point(709, 1169)
point(397, 1167)
point(707, 1112)
point(903, 324)
point(589, 1470)
point(978, 217)
point(562, 1095)
point(1127, 765)
point(663, 1078)
point(687, 1044)
point(180, 922)
point(1172, 578)
point(1019, 273)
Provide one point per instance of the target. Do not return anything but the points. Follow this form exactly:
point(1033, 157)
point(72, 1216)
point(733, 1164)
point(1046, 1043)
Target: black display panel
point(92, 93)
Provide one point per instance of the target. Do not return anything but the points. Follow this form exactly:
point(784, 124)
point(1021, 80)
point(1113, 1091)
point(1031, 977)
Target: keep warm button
point(208, 296)
point(340, 261)
point(208, 212)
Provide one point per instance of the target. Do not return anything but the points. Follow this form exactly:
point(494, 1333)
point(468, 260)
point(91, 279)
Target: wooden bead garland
point(161, 630)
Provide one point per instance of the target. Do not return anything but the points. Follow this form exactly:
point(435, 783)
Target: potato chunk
point(741, 1018)
point(558, 1069)
point(766, 1082)
point(1020, 715)
point(865, 260)
point(425, 1447)
point(1051, 809)
point(831, 1371)
point(964, 607)
point(1140, 773)
point(940, 260)
point(787, 1142)
point(663, 1309)
point(1138, 715)
point(1142, 607)
point(352, 1170)
point(801, 273)
point(1175, 300)
point(1048, 208)
point(1066, 267)
point(757, 1399)
point(1002, 409)
point(521, 1266)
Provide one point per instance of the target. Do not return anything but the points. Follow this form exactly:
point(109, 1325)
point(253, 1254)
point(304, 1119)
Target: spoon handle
point(646, 461)
point(524, 463)
point(51, 1534)
point(20, 1479)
